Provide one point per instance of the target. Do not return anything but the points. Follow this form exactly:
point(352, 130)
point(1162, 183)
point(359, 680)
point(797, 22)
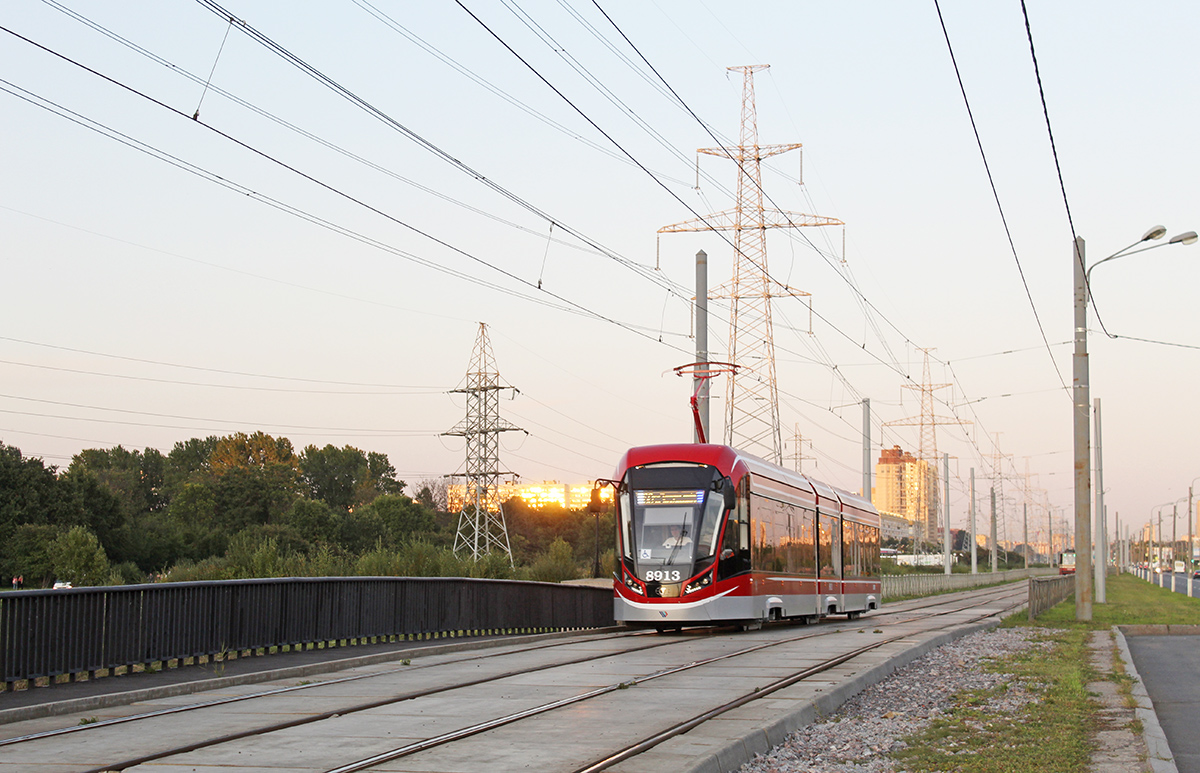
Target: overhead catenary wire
point(332, 189)
point(996, 194)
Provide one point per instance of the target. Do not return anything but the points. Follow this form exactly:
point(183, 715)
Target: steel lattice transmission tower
point(927, 492)
point(752, 404)
point(481, 525)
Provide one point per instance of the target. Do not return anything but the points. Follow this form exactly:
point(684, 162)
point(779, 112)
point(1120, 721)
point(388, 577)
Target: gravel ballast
point(871, 725)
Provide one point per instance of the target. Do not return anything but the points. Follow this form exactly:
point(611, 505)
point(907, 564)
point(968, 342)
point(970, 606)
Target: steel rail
point(446, 738)
point(281, 690)
point(683, 727)
point(482, 727)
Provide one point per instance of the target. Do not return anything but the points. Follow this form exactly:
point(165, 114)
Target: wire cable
point(996, 194)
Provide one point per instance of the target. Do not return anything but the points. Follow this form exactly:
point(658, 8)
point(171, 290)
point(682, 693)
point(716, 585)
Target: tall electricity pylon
point(481, 525)
point(752, 404)
point(928, 421)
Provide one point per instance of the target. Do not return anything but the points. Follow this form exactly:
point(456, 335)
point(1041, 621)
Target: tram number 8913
point(664, 576)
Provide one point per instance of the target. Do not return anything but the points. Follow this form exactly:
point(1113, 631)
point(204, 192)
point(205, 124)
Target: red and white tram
point(708, 534)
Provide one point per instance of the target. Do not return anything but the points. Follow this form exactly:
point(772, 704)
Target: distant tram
point(710, 535)
point(1066, 562)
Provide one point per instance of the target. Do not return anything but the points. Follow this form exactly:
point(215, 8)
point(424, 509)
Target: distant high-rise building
point(908, 487)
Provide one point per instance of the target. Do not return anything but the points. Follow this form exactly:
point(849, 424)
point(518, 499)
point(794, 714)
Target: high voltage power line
point(893, 366)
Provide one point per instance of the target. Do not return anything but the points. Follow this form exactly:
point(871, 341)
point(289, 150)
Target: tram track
point(692, 632)
point(922, 609)
point(683, 727)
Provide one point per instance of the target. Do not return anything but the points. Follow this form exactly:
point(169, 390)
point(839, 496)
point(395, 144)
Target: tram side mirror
point(730, 494)
point(594, 504)
point(726, 554)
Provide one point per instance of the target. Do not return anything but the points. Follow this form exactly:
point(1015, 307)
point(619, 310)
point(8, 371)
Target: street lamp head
point(1157, 232)
point(1184, 238)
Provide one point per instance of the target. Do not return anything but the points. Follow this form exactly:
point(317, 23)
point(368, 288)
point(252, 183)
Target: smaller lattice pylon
point(481, 524)
point(927, 493)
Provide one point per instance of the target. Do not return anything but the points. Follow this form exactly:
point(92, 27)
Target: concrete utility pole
point(1160, 550)
point(866, 449)
point(1174, 537)
point(974, 536)
point(1101, 519)
point(1050, 522)
point(1083, 451)
point(995, 543)
point(1191, 542)
point(1025, 531)
point(701, 386)
point(946, 523)
point(1120, 546)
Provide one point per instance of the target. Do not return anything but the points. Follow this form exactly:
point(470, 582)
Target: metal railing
point(48, 633)
point(1045, 592)
point(900, 585)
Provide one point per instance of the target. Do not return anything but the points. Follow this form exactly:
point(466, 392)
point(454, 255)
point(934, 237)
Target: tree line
point(250, 505)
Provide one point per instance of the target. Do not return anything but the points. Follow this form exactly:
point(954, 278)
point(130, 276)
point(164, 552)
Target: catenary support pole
point(1025, 531)
point(1050, 531)
point(866, 471)
point(995, 543)
point(1083, 451)
point(1101, 519)
point(1120, 547)
point(700, 386)
point(946, 520)
point(974, 539)
point(1191, 548)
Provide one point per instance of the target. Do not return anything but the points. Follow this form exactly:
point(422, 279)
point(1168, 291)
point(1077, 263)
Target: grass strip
point(1050, 729)
point(1055, 732)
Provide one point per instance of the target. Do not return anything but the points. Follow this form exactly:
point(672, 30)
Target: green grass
point(1052, 735)
point(1055, 734)
point(1130, 601)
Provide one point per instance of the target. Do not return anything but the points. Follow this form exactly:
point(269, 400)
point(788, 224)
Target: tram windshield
point(670, 520)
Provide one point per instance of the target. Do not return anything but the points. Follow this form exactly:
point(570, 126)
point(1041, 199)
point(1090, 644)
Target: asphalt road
point(1168, 666)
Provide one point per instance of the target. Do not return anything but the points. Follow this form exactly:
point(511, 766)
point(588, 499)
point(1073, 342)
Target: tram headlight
point(634, 585)
point(698, 583)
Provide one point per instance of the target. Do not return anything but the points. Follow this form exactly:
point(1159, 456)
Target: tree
point(188, 462)
point(257, 451)
point(135, 477)
point(29, 492)
point(334, 475)
point(432, 492)
point(382, 475)
point(313, 520)
point(246, 496)
point(78, 558)
point(402, 517)
point(93, 504)
point(26, 552)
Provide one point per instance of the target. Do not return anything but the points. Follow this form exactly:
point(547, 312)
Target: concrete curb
point(89, 703)
point(1160, 757)
point(762, 739)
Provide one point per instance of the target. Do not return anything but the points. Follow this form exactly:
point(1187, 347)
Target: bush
point(556, 564)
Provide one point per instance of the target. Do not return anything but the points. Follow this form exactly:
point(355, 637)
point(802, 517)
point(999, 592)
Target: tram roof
point(726, 458)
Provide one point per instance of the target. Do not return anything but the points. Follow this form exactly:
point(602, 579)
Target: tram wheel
point(853, 615)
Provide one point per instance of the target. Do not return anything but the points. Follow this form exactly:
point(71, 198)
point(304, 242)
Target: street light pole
point(1079, 410)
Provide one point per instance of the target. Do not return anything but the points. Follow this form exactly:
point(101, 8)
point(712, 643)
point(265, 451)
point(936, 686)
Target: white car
point(61, 585)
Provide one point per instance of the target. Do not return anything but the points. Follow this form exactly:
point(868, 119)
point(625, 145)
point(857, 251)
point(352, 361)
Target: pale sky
point(145, 303)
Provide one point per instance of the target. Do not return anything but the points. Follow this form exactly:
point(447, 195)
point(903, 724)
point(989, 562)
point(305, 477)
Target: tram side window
point(829, 553)
point(806, 543)
point(737, 534)
point(855, 549)
point(769, 525)
point(849, 544)
point(872, 550)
